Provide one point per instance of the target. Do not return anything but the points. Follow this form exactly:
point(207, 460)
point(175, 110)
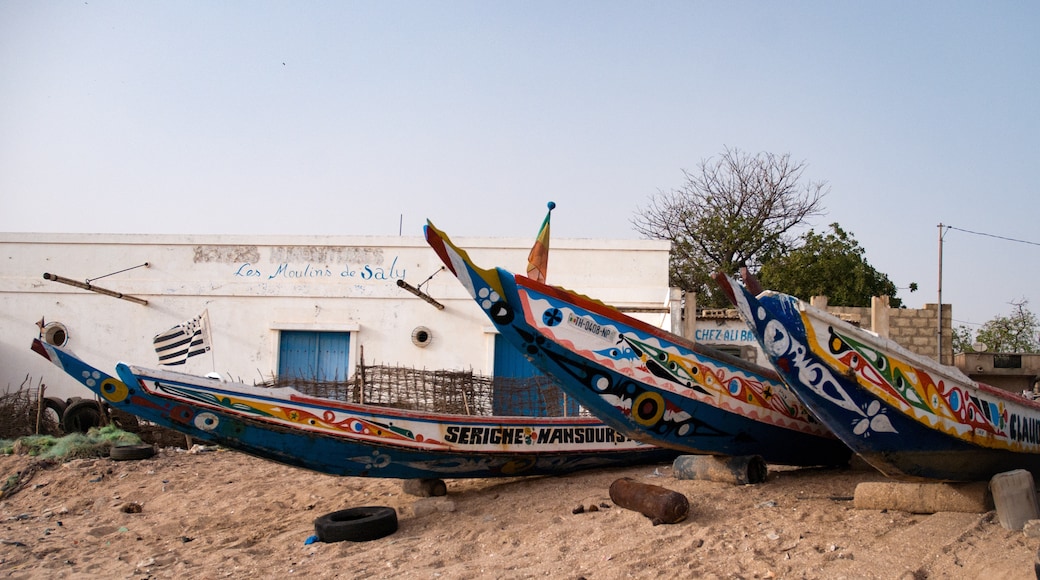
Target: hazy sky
point(369, 117)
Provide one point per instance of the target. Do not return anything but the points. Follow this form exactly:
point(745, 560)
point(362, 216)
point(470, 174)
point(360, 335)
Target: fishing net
point(48, 450)
point(95, 443)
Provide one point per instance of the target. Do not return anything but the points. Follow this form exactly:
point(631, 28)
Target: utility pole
point(940, 353)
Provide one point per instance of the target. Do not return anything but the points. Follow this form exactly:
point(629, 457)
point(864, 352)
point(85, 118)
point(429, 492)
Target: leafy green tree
point(832, 265)
point(1017, 333)
point(962, 339)
point(736, 209)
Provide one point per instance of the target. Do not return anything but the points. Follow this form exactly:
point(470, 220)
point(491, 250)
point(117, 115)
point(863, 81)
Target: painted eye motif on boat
point(775, 338)
point(379, 459)
point(114, 390)
point(880, 362)
point(600, 383)
point(232, 428)
point(207, 421)
point(182, 414)
point(500, 313)
point(617, 353)
point(648, 408)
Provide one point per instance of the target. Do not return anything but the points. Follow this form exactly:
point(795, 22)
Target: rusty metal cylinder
point(742, 469)
point(661, 505)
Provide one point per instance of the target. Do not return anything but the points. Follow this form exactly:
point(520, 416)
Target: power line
point(993, 236)
point(968, 322)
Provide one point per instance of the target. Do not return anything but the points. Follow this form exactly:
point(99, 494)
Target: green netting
point(95, 443)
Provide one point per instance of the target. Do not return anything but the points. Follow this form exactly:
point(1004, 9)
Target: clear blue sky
point(369, 117)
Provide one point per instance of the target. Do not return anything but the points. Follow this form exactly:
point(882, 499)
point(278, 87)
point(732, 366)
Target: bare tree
point(1016, 333)
point(735, 211)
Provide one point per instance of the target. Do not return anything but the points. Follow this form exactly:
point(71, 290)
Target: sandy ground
point(222, 514)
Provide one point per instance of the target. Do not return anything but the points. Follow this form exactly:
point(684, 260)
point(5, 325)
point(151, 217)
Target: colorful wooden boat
point(905, 414)
point(647, 383)
point(328, 436)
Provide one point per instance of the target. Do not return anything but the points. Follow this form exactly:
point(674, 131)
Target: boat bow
point(642, 380)
point(903, 412)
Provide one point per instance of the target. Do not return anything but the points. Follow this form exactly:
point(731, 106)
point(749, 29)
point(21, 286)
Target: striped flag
point(538, 259)
point(185, 340)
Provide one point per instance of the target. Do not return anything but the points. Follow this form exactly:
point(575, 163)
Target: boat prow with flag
point(643, 381)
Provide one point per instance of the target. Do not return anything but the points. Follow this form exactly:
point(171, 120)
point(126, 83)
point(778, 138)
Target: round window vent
point(55, 333)
point(422, 336)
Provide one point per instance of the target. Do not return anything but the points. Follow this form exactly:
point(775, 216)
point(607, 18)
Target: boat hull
point(326, 436)
point(644, 382)
point(906, 415)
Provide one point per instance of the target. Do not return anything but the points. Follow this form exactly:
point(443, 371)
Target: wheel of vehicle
point(359, 524)
point(81, 415)
point(131, 452)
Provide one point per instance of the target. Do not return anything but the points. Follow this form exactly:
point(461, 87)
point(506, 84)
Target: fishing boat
point(647, 383)
point(907, 415)
point(283, 425)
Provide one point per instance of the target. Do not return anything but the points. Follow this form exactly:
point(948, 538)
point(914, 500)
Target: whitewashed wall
point(254, 286)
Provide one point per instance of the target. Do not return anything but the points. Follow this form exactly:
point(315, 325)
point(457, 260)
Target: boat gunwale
point(905, 355)
point(371, 409)
point(613, 313)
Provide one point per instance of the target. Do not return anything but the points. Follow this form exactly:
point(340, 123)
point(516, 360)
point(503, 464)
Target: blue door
point(317, 356)
point(523, 389)
point(510, 363)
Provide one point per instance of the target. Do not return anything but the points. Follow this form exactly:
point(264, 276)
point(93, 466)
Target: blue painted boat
point(647, 383)
point(328, 436)
point(907, 415)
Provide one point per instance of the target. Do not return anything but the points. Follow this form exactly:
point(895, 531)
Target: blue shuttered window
point(317, 356)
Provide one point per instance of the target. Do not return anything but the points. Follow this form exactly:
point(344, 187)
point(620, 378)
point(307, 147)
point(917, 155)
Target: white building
point(273, 300)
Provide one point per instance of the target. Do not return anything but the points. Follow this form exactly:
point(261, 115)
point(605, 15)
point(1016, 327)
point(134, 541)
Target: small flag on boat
point(538, 259)
point(185, 340)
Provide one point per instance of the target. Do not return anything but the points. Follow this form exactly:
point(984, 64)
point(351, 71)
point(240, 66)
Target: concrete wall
point(1011, 372)
point(914, 329)
point(254, 286)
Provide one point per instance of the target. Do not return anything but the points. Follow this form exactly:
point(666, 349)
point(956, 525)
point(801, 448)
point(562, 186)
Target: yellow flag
point(538, 259)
